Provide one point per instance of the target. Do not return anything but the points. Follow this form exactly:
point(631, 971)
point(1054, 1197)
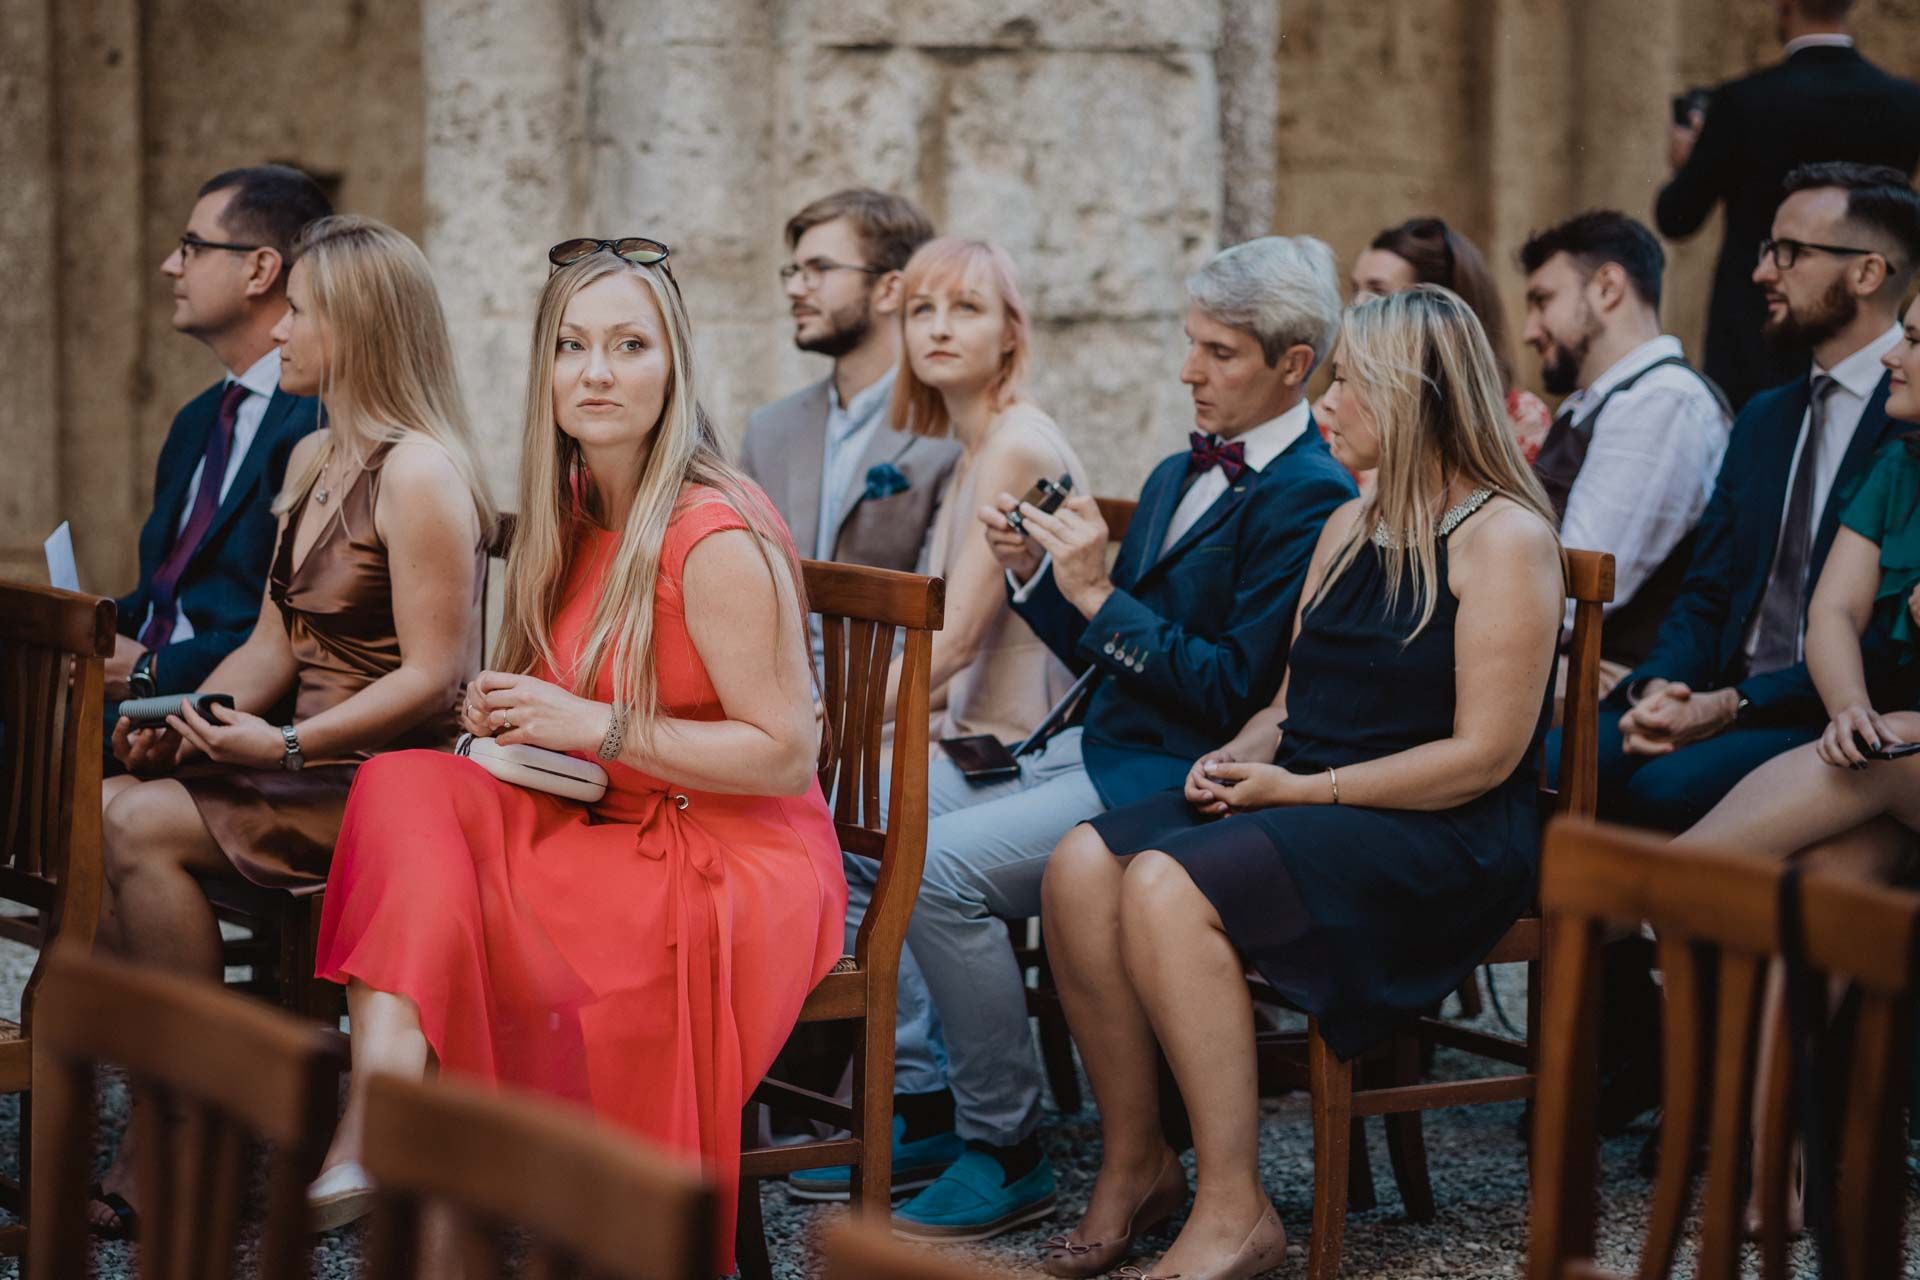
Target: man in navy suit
point(1822, 101)
point(1184, 639)
point(205, 547)
point(1726, 686)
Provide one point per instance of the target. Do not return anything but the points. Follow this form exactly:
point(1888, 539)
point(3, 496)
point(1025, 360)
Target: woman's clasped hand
point(519, 710)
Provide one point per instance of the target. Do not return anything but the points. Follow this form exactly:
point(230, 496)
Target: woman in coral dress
point(646, 955)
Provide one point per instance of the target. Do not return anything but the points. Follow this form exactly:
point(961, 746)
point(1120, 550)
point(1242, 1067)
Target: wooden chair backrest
point(212, 1073)
point(594, 1200)
point(1590, 587)
point(860, 611)
point(856, 1252)
point(1118, 513)
point(1717, 915)
point(53, 645)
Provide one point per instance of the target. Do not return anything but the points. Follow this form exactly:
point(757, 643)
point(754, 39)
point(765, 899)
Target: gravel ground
point(1478, 1169)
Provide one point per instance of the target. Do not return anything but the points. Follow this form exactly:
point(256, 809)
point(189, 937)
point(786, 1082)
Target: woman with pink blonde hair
point(963, 365)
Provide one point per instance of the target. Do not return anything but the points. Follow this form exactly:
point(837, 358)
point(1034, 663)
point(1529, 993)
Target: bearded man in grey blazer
point(850, 487)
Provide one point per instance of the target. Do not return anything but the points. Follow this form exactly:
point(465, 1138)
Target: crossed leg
point(153, 912)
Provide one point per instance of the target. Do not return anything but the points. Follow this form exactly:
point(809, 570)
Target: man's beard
point(1803, 331)
point(846, 329)
point(1560, 367)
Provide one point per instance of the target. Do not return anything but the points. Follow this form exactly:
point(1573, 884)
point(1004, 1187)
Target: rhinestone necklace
point(1448, 523)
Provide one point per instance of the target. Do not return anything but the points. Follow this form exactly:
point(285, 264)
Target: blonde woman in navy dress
point(1361, 843)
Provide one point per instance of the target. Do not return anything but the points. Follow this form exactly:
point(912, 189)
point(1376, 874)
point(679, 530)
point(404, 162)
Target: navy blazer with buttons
point(221, 585)
point(1195, 641)
point(1703, 639)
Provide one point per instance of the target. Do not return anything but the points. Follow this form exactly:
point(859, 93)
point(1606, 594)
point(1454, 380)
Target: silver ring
point(507, 725)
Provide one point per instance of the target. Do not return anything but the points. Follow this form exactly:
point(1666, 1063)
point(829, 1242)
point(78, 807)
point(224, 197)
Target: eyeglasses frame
point(818, 267)
point(1770, 248)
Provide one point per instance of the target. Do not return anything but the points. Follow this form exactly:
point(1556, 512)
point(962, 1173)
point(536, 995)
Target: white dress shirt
point(1855, 379)
point(1820, 40)
point(1263, 444)
point(1648, 474)
point(261, 379)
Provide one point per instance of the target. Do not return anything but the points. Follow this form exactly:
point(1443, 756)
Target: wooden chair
point(283, 925)
point(53, 645)
point(860, 611)
point(1344, 1093)
point(855, 1252)
point(1718, 918)
point(594, 1201)
point(212, 1072)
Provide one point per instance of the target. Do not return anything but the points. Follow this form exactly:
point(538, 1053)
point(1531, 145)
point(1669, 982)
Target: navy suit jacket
point(1194, 641)
point(220, 588)
point(1703, 639)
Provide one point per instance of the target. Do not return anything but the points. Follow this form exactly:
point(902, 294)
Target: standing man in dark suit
point(1726, 686)
point(849, 486)
point(1186, 636)
point(1822, 101)
point(205, 547)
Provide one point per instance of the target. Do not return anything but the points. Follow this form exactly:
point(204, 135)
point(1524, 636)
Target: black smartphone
point(152, 713)
point(981, 757)
point(1046, 495)
point(1886, 751)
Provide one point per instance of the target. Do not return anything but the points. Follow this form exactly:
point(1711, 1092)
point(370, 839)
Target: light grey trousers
point(963, 1007)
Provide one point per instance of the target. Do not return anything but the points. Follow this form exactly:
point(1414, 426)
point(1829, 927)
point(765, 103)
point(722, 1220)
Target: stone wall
point(115, 111)
point(1110, 144)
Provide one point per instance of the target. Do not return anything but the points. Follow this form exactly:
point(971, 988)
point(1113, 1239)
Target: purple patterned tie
point(213, 470)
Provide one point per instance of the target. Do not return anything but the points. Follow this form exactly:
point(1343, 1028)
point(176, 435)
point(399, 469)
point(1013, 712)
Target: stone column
point(1249, 116)
point(505, 158)
point(99, 135)
point(30, 422)
point(681, 100)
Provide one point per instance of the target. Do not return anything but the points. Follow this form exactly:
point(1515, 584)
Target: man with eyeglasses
point(849, 486)
point(1726, 686)
point(1822, 101)
point(206, 545)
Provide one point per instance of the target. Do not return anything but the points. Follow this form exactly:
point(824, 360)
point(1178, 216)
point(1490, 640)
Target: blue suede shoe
point(970, 1202)
point(915, 1164)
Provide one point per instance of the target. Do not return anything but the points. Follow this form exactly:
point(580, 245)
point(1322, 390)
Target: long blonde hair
point(557, 496)
point(1421, 360)
point(390, 370)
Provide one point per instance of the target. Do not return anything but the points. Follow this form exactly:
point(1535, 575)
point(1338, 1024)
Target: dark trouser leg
point(1672, 792)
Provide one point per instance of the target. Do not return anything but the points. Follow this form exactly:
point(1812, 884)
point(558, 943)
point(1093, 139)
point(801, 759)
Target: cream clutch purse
point(536, 768)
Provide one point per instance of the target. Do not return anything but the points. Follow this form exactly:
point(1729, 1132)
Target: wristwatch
point(293, 760)
point(140, 679)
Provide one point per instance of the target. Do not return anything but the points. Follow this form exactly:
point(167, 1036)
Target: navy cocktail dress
point(1360, 916)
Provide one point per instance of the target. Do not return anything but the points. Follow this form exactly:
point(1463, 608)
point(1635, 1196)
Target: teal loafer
point(971, 1202)
point(915, 1165)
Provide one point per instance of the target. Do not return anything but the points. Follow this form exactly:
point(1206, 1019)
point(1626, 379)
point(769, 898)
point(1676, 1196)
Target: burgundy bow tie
point(1205, 451)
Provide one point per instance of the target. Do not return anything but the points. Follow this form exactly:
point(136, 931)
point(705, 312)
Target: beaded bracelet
point(616, 732)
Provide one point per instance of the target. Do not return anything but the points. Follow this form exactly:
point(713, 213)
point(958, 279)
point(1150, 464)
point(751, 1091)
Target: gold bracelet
point(616, 732)
point(1334, 778)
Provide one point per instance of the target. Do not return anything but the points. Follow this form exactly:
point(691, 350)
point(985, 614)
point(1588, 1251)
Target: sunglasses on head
point(638, 250)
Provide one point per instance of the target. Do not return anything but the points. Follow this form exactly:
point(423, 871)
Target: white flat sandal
point(339, 1196)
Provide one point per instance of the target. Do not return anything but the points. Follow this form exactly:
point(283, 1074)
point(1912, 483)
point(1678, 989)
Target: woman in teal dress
point(1832, 797)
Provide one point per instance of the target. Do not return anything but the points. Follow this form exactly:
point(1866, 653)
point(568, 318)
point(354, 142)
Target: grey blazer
point(784, 446)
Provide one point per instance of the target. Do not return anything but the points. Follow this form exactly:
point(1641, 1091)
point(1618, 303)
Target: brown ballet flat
point(1061, 1256)
point(1265, 1249)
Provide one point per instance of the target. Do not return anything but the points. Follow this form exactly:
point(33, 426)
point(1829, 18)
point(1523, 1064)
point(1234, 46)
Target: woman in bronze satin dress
point(370, 621)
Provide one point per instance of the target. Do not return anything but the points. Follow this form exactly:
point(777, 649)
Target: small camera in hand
point(1046, 495)
point(1686, 104)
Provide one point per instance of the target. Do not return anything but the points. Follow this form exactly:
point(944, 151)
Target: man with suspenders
point(1630, 460)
